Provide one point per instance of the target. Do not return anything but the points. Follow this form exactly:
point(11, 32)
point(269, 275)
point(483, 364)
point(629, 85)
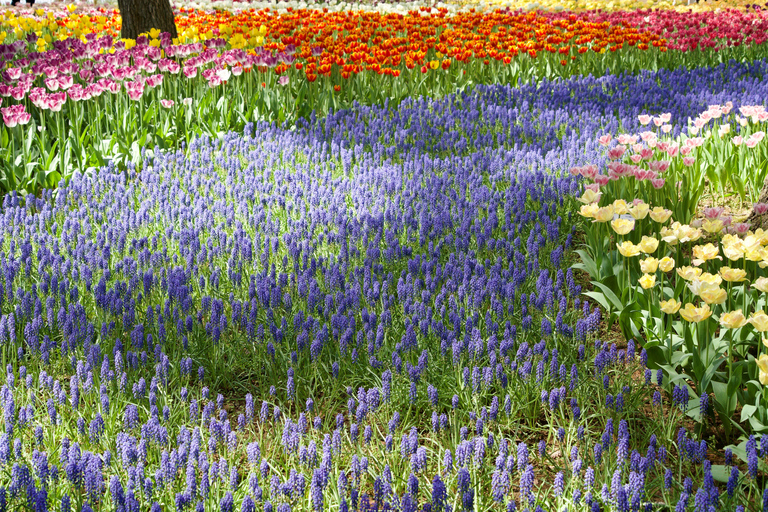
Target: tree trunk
point(141, 16)
point(755, 219)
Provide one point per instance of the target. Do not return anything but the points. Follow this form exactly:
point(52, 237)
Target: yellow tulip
point(628, 249)
point(761, 283)
point(762, 364)
point(620, 207)
point(649, 265)
point(660, 215)
point(714, 295)
point(704, 253)
point(588, 210)
point(689, 273)
point(755, 253)
point(639, 211)
point(691, 313)
point(668, 235)
point(647, 281)
point(688, 234)
point(753, 242)
point(590, 196)
point(670, 306)
point(666, 264)
point(712, 226)
point(733, 319)
point(704, 282)
point(648, 244)
point(434, 64)
point(604, 214)
point(733, 251)
point(759, 321)
point(733, 275)
point(622, 226)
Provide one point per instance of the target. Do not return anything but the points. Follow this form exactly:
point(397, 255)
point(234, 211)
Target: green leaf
point(588, 264)
point(747, 411)
point(617, 304)
point(600, 298)
point(721, 473)
point(738, 184)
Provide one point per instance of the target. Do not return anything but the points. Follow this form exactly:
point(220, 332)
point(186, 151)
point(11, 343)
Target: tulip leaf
point(720, 472)
point(747, 412)
point(600, 298)
point(614, 300)
point(587, 264)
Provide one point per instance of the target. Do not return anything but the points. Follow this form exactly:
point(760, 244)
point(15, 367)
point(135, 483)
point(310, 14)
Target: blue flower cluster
point(333, 285)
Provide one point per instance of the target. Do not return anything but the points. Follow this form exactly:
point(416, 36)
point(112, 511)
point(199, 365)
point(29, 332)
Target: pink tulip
point(601, 180)
point(616, 153)
point(14, 73)
point(65, 82)
point(52, 84)
point(18, 93)
point(644, 119)
point(76, 92)
point(604, 140)
point(589, 171)
point(688, 161)
point(657, 183)
point(737, 140)
point(659, 165)
point(713, 212)
point(740, 228)
point(646, 154)
point(167, 103)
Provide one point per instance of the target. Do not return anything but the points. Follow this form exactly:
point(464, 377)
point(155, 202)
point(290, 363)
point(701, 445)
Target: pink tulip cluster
point(687, 30)
point(78, 71)
point(15, 115)
point(751, 141)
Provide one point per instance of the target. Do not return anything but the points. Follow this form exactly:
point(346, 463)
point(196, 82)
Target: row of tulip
point(230, 68)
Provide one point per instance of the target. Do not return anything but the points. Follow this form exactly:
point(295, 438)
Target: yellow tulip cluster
point(49, 27)
point(638, 210)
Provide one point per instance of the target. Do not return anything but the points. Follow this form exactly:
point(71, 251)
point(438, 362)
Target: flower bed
point(388, 285)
